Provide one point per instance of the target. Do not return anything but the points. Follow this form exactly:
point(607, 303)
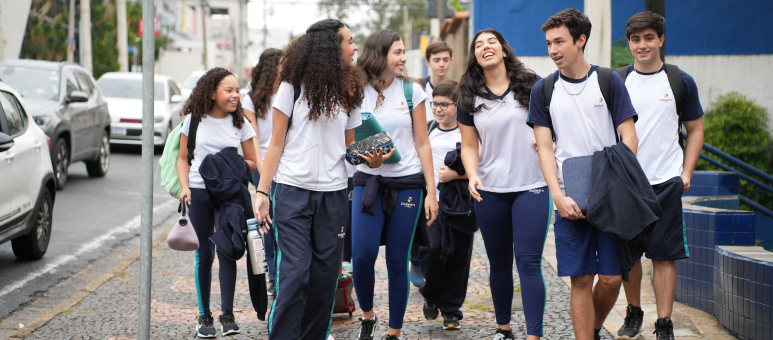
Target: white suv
point(27, 186)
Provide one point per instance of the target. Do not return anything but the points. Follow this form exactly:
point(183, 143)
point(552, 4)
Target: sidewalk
point(110, 311)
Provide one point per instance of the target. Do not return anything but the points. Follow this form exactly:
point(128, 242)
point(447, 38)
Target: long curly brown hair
point(316, 61)
point(264, 75)
point(200, 102)
point(373, 61)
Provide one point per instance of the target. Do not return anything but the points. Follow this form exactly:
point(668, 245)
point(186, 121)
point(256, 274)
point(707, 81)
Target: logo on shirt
point(666, 99)
point(408, 204)
point(343, 232)
point(536, 191)
point(600, 105)
point(402, 107)
point(365, 116)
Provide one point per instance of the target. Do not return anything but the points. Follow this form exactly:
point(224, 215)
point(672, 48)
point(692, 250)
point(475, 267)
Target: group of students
point(509, 141)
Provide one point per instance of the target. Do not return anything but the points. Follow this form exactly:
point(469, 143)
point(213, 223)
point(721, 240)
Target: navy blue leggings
point(366, 237)
point(202, 216)
point(516, 223)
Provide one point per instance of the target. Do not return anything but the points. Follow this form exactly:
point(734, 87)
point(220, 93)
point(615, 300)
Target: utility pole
point(240, 42)
point(86, 35)
point(441, 14)
point(2, 37)
point(204, 32)
point(658, 7)
point(123, 36)
point(265, 25)
point(71, 32)
point(407, 29)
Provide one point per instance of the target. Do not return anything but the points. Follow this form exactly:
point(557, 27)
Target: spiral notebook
point(370, 127)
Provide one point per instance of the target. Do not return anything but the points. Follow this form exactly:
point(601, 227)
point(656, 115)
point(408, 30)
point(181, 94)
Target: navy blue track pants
point(516, 223)
point(269, 238)
point(366, 237)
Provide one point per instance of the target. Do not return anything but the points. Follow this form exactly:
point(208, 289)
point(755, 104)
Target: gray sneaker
point(205, 327)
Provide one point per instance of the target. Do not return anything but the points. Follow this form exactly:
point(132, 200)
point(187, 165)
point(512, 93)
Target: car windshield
point(127, 88)
point(191, 81)
point(32, 83)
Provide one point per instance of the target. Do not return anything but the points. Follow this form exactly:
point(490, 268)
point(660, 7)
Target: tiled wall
point(714, 183)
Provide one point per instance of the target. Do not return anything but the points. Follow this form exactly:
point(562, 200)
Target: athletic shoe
point(634, 317)
point(417, 278)
point(451, 321)
point(597, 337)
point(206, 326)
point(330, 337)
point(503, 335)
point(390, 337)
point(430, 311)
point(368, 329)
point(664, 329)
point(271, 288)
point(228, 324)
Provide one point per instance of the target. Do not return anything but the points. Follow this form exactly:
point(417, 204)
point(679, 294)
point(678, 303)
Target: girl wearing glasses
point(512, 202)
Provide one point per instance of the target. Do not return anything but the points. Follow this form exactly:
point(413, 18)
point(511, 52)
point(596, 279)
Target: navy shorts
point(582, 249)
point(668, 241)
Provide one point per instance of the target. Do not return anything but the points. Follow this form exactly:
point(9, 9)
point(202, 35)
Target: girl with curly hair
point(257, 107)
point(315, 112)
point(214, 99)
point(400, 183)
point(512, 202)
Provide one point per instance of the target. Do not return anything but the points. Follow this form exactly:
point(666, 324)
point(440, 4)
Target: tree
point(376, 15)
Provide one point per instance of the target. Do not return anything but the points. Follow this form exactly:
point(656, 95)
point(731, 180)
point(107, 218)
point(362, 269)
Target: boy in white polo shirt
point(439, 57)
point(579, 118)
point(662, 107)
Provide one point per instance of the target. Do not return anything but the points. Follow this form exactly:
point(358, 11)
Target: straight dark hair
point(438, 47)
point(373, 58)
point(264, 76)
point(644, 20)
point(200, 101)
point(575, 21)
point(447, 88)
point(473, 81)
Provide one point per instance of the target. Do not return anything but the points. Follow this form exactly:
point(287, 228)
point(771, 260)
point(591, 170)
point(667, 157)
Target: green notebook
point(370, 127)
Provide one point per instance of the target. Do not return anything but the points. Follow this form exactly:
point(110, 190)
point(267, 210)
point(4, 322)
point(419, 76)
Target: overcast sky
point(294, 15)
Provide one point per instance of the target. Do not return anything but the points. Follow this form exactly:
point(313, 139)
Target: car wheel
point(99, 166)
point(34, 245)
point(61, 162)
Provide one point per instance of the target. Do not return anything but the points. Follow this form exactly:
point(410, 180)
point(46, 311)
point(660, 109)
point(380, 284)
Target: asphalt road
point(91, 215)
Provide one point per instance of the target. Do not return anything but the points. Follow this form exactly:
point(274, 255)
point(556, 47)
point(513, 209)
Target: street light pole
point(71, 32)
point(123, 36)
point(204, 17)
point(146, 212)
point(85, 46)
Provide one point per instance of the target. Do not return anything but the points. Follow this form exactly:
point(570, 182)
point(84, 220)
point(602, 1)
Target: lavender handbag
point(183, 237)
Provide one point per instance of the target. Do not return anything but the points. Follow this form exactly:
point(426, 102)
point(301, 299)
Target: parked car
point(123, 92)
point(190, 83)
point(65, 102)
point(27, 182)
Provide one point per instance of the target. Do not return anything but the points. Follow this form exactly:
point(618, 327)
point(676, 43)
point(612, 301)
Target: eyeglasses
point(443, 105)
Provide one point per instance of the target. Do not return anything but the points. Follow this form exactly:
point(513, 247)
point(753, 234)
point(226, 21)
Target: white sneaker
point(330, 337)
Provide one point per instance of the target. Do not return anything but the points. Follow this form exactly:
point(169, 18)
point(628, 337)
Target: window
point(128, 88)
point(72, 83)
point(13, 116)
point(85, 83)
point(173, 89)
point(34, 83)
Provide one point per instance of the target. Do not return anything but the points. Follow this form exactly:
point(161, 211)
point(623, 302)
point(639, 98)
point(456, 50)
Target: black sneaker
point(368, 329)
point(502, 334)
point(451, 321)
point(228, 324)
point(206, 326)
point(597, 337)
point(634, 317)
point(390, 337)
point(430, 311)
point(664, 329)
point(271, 288)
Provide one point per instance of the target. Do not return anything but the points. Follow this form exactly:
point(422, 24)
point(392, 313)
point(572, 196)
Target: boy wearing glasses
point(446, 266)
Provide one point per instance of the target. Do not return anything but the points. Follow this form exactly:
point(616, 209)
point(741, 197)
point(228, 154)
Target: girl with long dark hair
point(315, 112)
point(215, 103)
point(513, 205)
point(257, 105)
point(389, 94)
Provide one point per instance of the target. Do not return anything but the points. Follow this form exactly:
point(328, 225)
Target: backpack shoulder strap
point(623, 72)
point(605, 81)
point(408, 92)
point(296, 96)
point(424, 81)
point(431, 126)
point(192, 129)
point(677, 86)
point(547, 94)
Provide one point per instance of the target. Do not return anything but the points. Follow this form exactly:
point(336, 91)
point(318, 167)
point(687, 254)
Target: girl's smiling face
point(395, 60)
point(488, 51)
point(226, 97)
point(348, 47)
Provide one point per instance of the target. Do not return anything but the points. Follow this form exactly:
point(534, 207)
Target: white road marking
point(128, 226)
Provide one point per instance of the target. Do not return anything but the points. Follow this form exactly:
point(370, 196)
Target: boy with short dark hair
point(579, 116)
point(668, 169)
point(439, 57)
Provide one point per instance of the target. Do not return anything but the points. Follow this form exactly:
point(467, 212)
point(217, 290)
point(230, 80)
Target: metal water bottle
point(256, 247)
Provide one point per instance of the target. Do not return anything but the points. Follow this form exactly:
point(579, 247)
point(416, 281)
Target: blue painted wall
point(707, 27)
point(520, 21)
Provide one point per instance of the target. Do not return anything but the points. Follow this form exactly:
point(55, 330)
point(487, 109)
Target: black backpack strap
point(623, 72)
point(194, 126)
point(431, 126)
point(677, 87)
point(424, 81)
point(296, 96)
point(547, 93)
point(605, 80)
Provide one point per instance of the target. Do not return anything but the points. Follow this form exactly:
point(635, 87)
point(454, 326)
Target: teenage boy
point(583, 122)
point(445, 285)
point(662, 160)
point(438, 60)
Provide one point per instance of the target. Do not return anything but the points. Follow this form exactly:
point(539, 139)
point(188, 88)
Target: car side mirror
point(176, 98)
point(6, 142)
point(78, 97)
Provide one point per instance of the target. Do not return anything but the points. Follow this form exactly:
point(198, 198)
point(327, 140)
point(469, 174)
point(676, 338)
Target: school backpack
point(677, 87)
point(168, 163)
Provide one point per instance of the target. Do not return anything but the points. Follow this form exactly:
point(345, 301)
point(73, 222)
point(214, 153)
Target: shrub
point(621, 54)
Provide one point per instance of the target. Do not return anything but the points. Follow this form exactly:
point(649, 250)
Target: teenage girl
point(306, 159)
point(383, 61)
point(257, 105)
point(513, 204)
point(215, 103)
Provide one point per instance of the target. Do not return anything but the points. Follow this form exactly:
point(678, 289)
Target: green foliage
point(45, 40)
point(739, 127)
point(456, 5)
point(378, 15)
point(621, 54)
point(104, 48)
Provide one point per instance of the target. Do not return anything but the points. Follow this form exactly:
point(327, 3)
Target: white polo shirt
point(265, 125)
point(395, 118)
point(659, 152)
point(508, 161)
point(428, 89)
point(579, 116)
point(313, 157)
point(442, 141)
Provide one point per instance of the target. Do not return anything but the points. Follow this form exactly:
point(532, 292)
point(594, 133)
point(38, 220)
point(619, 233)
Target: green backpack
point(168, 163)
